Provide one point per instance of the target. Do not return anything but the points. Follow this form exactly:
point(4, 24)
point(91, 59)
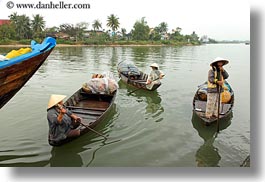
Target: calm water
point(144, 129)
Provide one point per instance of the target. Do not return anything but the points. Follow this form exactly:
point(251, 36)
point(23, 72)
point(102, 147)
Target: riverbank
point(60, 43)
point(94, 45)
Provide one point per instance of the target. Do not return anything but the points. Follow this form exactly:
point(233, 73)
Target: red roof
point(4, 22)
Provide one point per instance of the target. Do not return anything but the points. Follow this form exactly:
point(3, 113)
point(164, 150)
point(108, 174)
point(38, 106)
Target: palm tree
point(163, 27)
point(21, 24)
point(13, 17)
point(38, 25)
point(80, 30)
point(113, 23)
point(123, 31)
point(23, 27)
point(96, 25)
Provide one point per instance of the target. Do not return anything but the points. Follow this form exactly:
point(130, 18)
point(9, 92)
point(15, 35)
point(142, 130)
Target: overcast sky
point(218, 19)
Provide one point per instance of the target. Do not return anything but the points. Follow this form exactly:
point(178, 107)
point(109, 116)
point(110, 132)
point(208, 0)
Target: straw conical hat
point(218, 59)
point(154, 65)
point(55, 99)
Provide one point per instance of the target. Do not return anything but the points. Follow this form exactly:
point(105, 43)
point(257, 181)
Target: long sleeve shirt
point(58, 130)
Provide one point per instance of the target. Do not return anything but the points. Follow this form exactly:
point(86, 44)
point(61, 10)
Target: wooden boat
point(15, 72)
point(138, 81)
point(200, 100)
point(92, 108)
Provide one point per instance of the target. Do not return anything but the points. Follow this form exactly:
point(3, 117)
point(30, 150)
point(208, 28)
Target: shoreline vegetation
point(19, 30)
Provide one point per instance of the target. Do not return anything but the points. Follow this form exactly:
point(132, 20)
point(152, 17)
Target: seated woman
point(62, 122)
point(154, 77)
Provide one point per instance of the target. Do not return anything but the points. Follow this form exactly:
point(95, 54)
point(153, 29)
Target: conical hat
point(218, 59)
point(154, 65)
point(55, 99)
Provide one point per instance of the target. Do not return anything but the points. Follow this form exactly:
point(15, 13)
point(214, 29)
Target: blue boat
point(15, 72)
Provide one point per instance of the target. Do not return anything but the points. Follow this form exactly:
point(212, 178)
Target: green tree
point(7, 31)
point(79, 30)
point(96, 25)
point(113, 23)
point(176, 35)
point(14, 18)
point(14, 21)
point(23, 27)
point(140, 30)
point(194, 37)
point(37, 25)
point(67, 29)
point(163, 28)
point(123, 32)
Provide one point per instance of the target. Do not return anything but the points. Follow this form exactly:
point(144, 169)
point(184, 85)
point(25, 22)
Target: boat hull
point(199, 107)
point(13, 78)
point(15, 72)
point(139, 83)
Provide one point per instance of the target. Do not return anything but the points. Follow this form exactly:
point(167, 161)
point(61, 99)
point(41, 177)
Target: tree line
point(21, 27)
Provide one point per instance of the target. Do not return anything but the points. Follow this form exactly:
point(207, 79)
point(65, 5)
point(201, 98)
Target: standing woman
point(216, 77)
point(154, 77)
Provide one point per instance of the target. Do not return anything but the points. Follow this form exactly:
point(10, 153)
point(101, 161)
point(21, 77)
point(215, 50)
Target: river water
point(144, 128)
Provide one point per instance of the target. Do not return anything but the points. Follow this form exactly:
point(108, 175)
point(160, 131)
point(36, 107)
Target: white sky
point(218, 19)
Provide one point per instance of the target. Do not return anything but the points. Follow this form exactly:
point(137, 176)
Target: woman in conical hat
point(62, 122)
point(216, 77)
point(155, 76)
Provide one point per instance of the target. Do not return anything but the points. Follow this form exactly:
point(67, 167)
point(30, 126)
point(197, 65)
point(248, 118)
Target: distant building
point(204, 39)
point(62, 35)
point(165, 36)
point(2, 22)
point(87, 33)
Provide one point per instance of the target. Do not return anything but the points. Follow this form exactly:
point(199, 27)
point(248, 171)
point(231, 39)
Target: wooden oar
point(93, 130)
point(134, 90)
point(218, 107)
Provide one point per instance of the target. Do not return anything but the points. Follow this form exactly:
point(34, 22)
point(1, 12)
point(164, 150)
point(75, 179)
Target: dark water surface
point(144, 128)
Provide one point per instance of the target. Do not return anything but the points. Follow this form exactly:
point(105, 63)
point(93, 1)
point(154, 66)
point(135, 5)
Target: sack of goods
point(128, 68)
point(103, 84)
point(202, 93)
point(225, 96)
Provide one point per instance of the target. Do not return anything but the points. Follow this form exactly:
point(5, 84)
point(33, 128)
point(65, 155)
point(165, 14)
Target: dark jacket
point(58, 131)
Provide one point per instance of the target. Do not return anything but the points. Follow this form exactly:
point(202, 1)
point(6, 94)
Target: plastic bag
point(105, 85)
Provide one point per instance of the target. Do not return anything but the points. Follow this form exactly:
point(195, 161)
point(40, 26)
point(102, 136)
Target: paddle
point(93, 130)
point(134, 91)
point(219, 88)
point(218, 107)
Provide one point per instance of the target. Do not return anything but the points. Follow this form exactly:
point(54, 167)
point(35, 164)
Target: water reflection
point(66, 156)
point(114, 59)
point(140, 54)
point(207, 155)
point(153, 108)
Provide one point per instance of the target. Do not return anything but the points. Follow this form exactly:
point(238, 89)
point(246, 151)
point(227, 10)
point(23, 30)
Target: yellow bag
point(15, 53)
point(225, 96)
